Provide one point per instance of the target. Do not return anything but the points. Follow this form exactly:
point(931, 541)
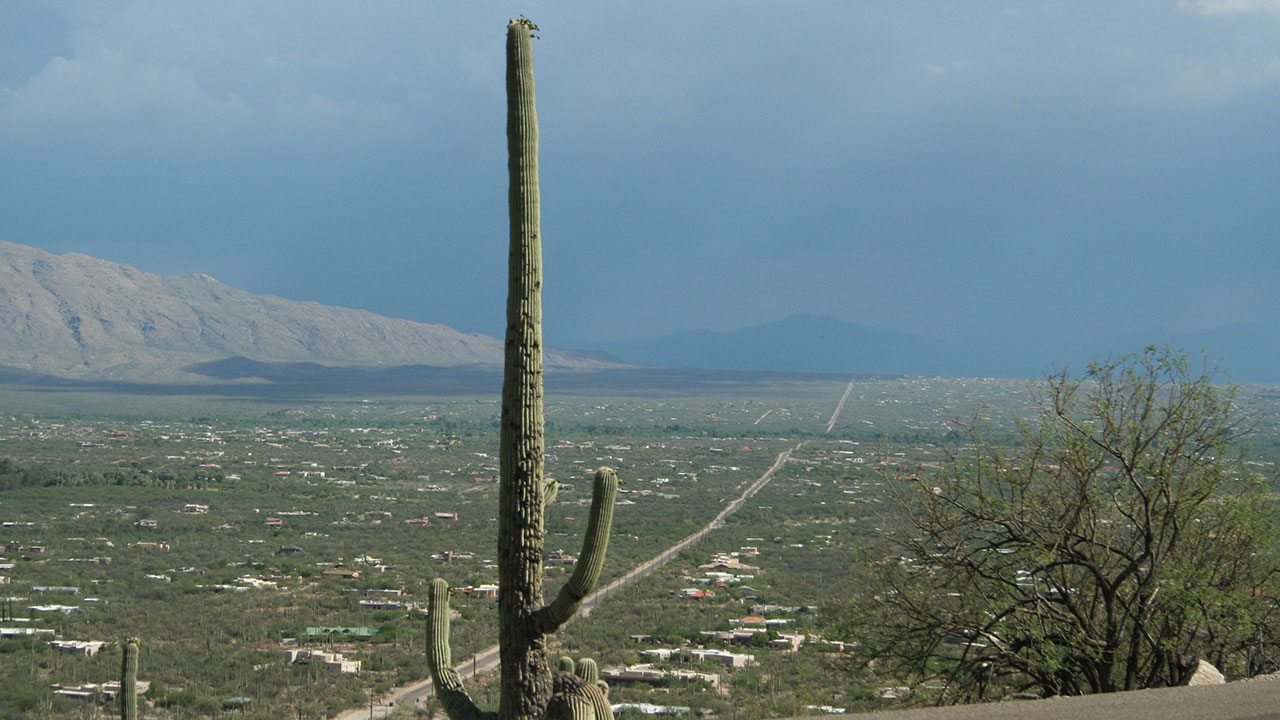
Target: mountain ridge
point(77, 316)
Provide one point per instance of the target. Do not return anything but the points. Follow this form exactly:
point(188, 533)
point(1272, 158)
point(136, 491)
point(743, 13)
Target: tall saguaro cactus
point(526, 680)
point(524, 622)
point(128, 694)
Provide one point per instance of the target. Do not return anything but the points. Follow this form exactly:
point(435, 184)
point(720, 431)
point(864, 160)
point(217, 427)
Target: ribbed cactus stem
point(586, 571)
point(594, 689)
point(598, 696)
point(565, 664)
point(588, 670)
point(129, 679)
point(526, 679)
point(448, 685)
point(570, 707)
point(574, 700)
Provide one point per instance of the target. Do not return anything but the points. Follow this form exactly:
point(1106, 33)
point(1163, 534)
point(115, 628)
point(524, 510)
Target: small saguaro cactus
point(528, 690)
point(587, 670)
point(129, 679)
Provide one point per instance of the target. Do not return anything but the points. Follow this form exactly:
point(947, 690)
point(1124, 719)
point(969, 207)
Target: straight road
point(487, 660)
point(840, 406)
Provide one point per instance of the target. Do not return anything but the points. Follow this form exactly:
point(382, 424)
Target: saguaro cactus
point(129, 679)
point(524, 622)
point(587, 670)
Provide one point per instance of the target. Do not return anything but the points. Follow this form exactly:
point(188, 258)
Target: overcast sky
point(967, 167)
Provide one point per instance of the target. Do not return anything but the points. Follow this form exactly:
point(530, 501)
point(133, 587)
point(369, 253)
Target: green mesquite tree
point(528, 689)
point(1120, 542)
point(129, 679)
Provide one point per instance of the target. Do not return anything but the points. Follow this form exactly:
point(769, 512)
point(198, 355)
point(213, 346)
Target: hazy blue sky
point(971, 167)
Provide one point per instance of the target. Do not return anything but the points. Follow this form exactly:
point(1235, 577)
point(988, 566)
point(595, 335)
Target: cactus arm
point(129, 679)
point(597, 695)
point(587, 570)
point(448, 685)
point(573, 700)
point(570, 707)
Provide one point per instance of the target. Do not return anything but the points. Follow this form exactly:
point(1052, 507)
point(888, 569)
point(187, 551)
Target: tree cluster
point(1120, 543)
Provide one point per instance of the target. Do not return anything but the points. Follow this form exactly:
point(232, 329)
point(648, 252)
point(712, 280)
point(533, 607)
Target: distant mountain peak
point(76, 316)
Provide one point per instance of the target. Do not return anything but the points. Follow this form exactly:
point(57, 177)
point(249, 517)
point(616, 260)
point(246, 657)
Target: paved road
point(840, 406)
point(487, 660)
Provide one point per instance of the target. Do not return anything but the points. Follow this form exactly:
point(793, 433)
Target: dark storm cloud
point(944, 167)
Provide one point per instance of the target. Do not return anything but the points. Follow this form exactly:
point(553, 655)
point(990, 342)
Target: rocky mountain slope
point(76, 316)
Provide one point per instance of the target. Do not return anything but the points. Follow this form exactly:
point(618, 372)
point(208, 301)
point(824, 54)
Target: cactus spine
point(129, 679)
point(526, 685)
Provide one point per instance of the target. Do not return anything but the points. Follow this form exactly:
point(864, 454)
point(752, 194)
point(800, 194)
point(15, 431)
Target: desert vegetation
point(79, 483)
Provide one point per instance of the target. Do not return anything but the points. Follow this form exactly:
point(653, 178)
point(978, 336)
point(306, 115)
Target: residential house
point(722, 657)
point(16, 632)
point(739, 636)
point(384, 604)
point(64, 609)
point(84, 647)
point(481, 591)
point(91, 691)
point(726, 563)
point(254, 582)
point(647, 673)
point(687, 654)
point(560, 557)
point(651, 709)
point(331, 660)
point(787, 641)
